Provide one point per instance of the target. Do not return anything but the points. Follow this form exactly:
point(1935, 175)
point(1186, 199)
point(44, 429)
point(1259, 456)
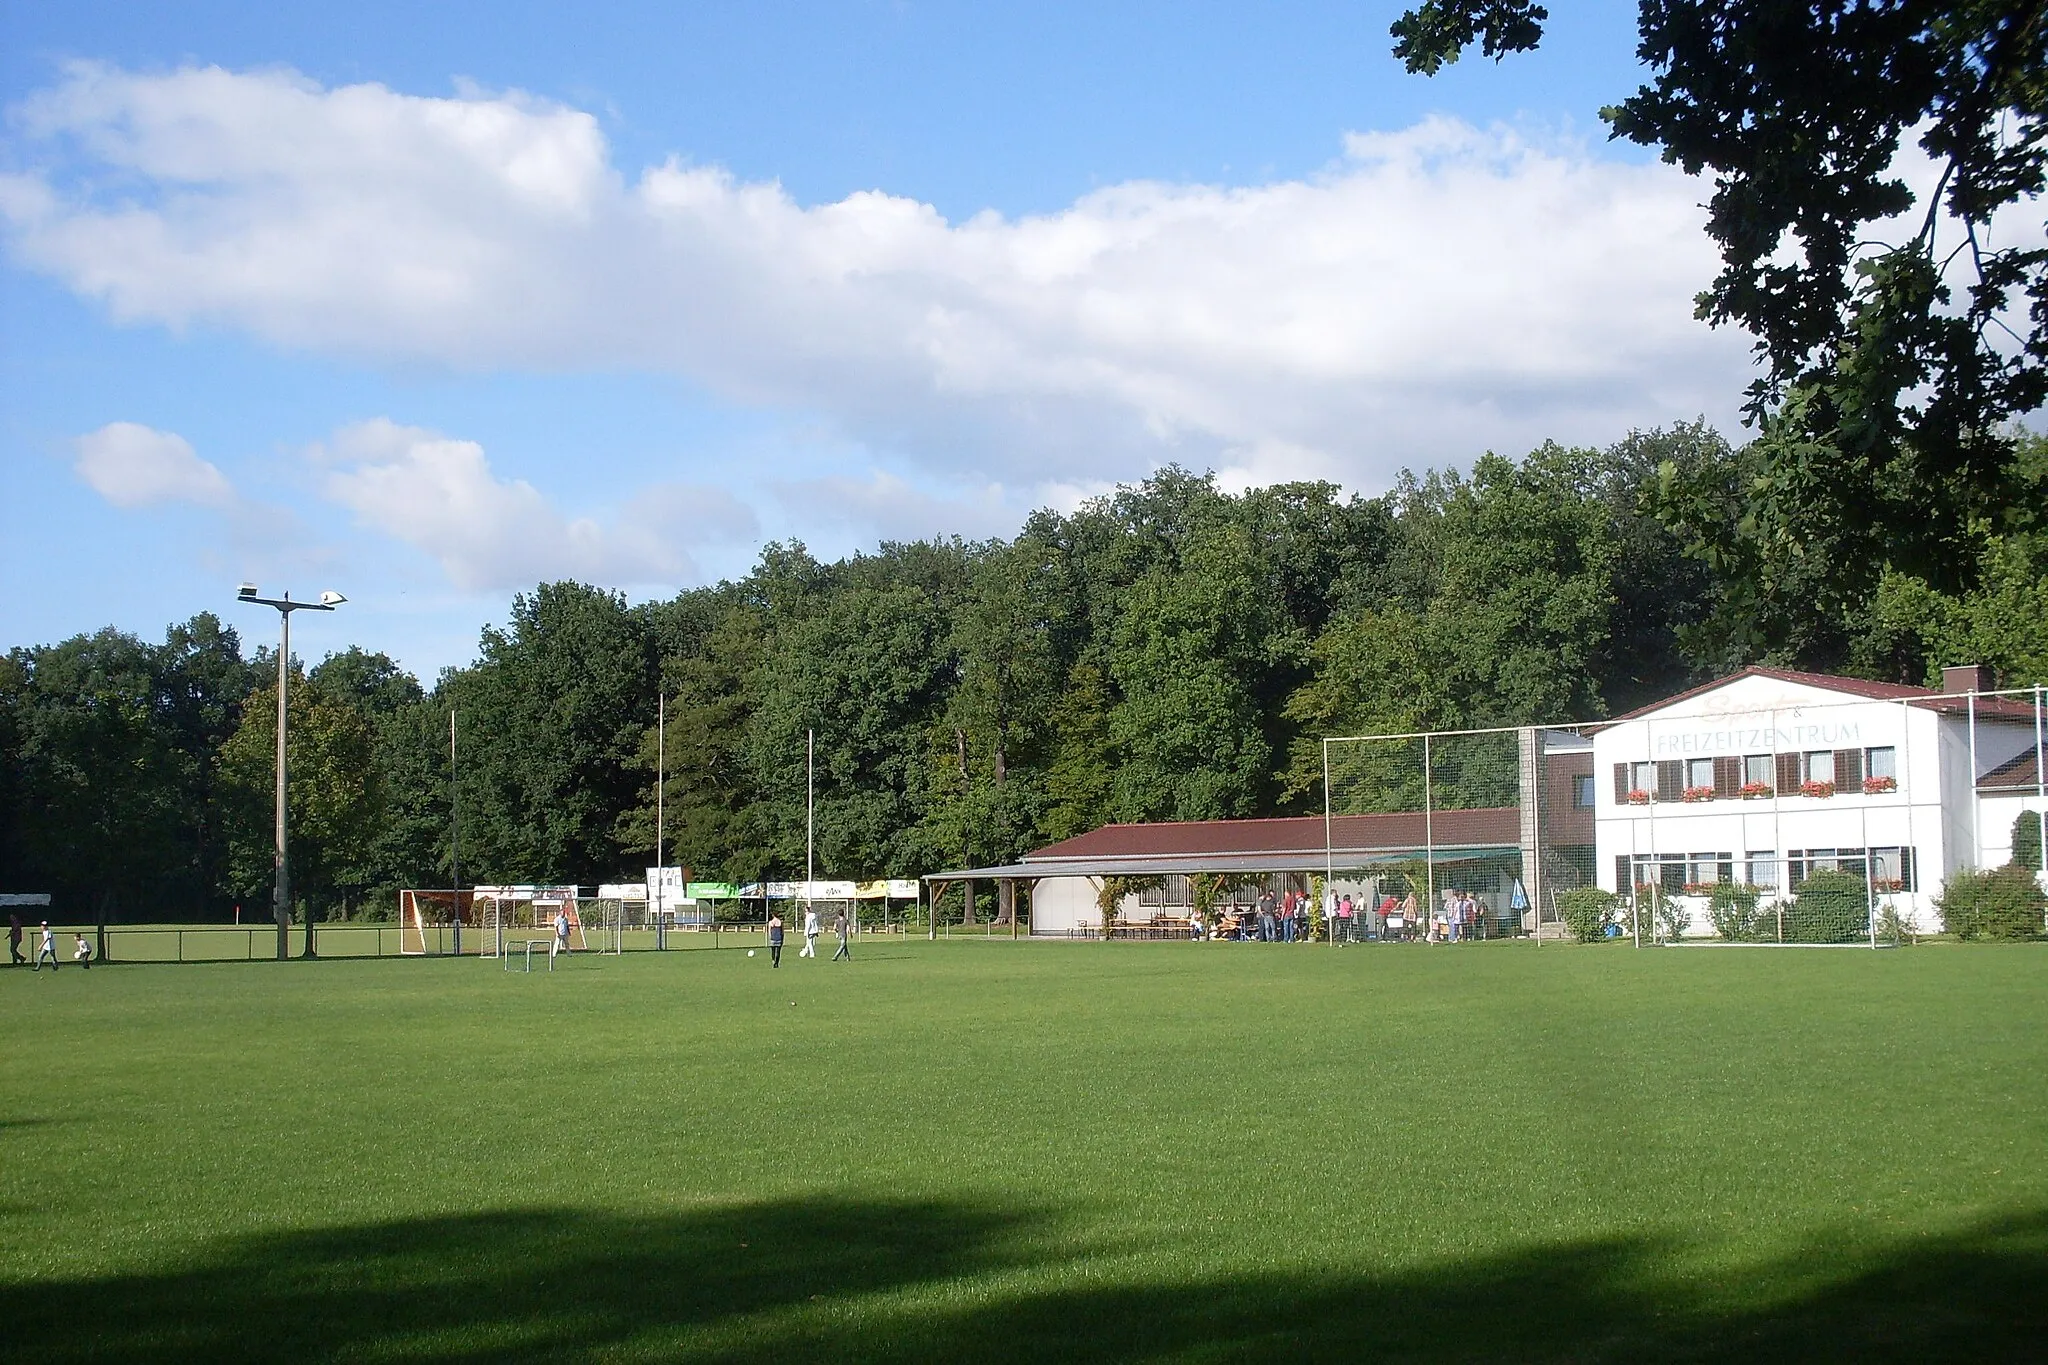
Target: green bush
point(1737, 915)
point(1587, 911)
point(1673, 919)
point(2026, 840)
point(2005, 902)
point(1828, 907)
point(1893, 927)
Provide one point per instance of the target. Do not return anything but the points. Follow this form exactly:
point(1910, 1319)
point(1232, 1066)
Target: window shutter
point(1670, 779)
point(1788, 773)
point(1906, 870)
point(1848, 770)
point(1727, 776)
point(1623, 886)
point(1620, 784)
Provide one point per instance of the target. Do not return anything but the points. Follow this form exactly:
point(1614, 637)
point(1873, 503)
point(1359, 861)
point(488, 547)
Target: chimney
point(1967, 678)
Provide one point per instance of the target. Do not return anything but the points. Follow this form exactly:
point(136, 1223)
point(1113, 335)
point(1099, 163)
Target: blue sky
point(426, 305)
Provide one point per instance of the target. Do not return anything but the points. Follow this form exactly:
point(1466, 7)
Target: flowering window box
point(1699, 794)
point(1699, 888)
point(1888, 884)
point(1878, 786)
point(1820, 791)
point(1638, 797)
point(1758, 791)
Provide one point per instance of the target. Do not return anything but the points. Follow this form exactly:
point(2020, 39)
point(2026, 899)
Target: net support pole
point(1976, 834)
point(1428, 836)
point(1329, 853)
point(2040, 792)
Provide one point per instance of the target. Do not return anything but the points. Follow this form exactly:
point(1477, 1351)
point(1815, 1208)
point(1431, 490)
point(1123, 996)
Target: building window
point(1763, 867)
point(1891, 869)
point(1642, 777)
point(1699, 772)
point(1756, 770)
point(1582, 791)
point(1703, 869)
point(1819, 766)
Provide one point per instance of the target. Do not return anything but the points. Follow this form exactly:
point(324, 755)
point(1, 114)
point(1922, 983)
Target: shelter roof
point(1293, 840)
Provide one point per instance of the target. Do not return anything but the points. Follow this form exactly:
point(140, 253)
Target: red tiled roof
point(1301, 834)
point(2022, 772)
point(1947, 703)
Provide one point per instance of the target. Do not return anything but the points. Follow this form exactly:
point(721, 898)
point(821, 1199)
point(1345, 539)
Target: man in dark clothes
point(775, 938)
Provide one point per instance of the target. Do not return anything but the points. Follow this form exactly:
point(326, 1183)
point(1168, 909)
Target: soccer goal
point(429, 922)
point(506, 908)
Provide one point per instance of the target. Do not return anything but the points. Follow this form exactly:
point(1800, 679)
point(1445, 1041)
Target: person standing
point(1265, 917)
point(775, 938)
point(1345, 911)
point(47, 948)
point(15, 959)
point(810, 948)
point(1287, 918)
point(561, 939)
point(839, 928)
point(82, 953)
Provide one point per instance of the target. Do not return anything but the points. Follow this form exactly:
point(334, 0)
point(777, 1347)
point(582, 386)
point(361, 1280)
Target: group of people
point(46, 947)
point(1272, 919)
point(1284, 919)
point(1459, 917)
point(841, 927)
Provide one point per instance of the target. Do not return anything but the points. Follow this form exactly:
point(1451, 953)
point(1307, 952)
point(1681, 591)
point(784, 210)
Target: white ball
point(750, 952)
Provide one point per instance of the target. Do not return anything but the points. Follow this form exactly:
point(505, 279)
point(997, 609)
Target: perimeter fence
point(1456, 834)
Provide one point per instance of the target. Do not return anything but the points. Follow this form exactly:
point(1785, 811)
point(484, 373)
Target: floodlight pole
point(282, 892)
point(660, 791)
point(454, 834)
point(810, 811)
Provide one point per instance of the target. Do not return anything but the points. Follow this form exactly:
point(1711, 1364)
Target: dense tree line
point(1168, 652)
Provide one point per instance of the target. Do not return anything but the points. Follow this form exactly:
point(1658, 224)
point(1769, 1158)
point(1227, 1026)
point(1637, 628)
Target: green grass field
point(987, 1151)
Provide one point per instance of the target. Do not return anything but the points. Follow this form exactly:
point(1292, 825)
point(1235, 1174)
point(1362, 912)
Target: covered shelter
point(1480, 850)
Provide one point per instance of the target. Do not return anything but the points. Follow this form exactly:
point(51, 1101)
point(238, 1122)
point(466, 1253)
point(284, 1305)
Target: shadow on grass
point(817, 1281)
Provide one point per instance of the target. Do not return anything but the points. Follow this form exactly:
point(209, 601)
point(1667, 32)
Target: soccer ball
point(750, 952)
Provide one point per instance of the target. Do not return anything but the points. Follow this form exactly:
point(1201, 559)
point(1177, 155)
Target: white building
point(1768, 775)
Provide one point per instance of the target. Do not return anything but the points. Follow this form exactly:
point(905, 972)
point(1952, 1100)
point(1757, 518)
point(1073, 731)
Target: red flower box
point(1877, 786)
point(1817, 790)
point(1757, 791)
point(1699, 794)
point(1638, 797)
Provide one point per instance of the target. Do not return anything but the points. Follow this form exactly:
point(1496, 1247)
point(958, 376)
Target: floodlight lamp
point(246, 591)
point(331, 598)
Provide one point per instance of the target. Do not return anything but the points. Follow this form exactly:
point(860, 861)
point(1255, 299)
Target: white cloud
point(885, 507)
point(1436, 291)
point(439, 495)
point(131, 465)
